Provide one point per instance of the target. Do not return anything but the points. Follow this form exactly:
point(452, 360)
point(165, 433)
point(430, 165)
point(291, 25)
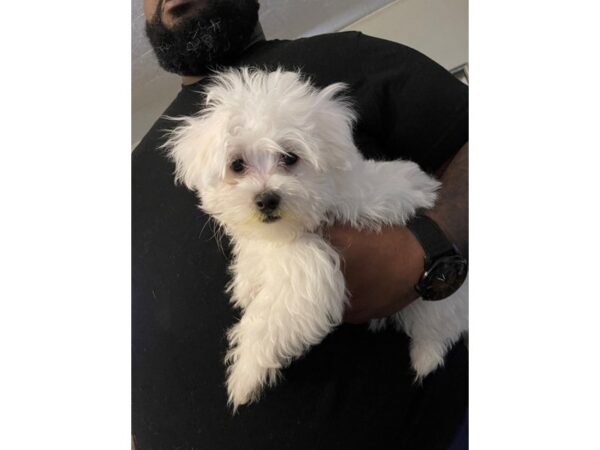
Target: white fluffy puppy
point(272, 159)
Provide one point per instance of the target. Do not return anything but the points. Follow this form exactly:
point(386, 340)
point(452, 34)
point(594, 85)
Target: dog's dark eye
point(289, 159)
point(238, 165)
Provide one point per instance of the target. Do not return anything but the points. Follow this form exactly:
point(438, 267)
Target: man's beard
point(216, 35)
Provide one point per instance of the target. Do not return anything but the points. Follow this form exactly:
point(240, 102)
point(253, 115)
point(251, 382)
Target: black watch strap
point(431, 237)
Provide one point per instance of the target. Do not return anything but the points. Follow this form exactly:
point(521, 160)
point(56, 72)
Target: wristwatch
point(445, 267)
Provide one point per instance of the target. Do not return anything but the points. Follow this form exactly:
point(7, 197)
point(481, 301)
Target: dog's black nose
point(267, 202)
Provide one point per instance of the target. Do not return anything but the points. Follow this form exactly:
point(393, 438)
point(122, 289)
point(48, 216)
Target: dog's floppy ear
point(336, 121)
point(197, 148)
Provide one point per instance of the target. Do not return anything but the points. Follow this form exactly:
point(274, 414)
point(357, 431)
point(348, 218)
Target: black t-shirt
point(355, 389)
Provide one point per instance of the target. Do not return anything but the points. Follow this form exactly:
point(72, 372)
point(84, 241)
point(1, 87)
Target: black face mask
point(216, 36)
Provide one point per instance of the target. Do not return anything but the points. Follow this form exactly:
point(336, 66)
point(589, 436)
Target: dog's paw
point(424, 187)
point(426, 357)
point(427, 190)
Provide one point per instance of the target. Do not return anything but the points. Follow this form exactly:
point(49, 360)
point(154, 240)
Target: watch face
point(443, 278)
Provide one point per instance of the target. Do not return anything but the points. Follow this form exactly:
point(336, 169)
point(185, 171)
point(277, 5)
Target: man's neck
point(257, 36)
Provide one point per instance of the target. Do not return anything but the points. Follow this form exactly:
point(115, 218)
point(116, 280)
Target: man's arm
point(381, 269)
point(451, 211)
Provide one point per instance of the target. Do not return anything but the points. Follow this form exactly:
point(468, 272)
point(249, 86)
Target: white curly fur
point(286, 278)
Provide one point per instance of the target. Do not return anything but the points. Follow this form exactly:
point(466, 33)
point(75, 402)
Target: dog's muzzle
point(268, 204)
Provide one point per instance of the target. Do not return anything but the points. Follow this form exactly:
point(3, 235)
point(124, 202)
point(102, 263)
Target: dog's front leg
point(301, 300)
point(380, 193)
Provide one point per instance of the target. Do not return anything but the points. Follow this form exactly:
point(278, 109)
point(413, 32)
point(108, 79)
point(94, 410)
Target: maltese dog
point(272, 159)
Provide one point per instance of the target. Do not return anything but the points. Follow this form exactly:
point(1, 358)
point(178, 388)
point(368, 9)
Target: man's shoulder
point(334, 38)
point(341, 56)
point(337, 42)
point(325, 58)
point(351, 40)
point(303, 48)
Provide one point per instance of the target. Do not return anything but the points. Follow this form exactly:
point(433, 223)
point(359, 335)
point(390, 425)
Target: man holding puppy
point(355, 389)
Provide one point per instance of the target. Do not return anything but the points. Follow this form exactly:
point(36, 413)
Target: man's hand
point(381, 270)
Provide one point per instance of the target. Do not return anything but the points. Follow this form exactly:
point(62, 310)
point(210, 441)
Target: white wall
point(437, 28)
